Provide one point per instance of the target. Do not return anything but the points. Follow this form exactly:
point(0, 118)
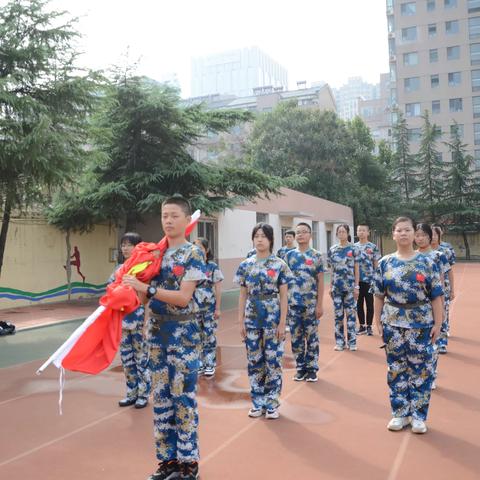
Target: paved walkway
point(334, 429)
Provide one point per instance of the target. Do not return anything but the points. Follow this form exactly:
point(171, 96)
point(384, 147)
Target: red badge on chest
point(350, 254)
point(209, 274)
point(308, 261)
point(271, 272)
point(420, 277)
point(369, 251)
point(178, 270)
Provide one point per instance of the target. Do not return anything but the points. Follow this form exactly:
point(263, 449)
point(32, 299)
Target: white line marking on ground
point(397, 462)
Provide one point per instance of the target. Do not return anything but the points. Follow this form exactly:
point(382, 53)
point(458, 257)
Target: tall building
point(236, 72)
point(349, 95)
point(434, 49)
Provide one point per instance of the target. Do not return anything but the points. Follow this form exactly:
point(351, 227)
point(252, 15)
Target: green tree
point(430, 178)
point(462, 203)
point(43, 106)
point(403, 169)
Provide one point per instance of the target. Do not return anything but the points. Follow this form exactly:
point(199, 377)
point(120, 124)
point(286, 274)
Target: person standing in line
point(305, 303)
point(133, 348)
point(368, 257)
point(449, 252)
point(174, 345)
point(342, 259)
point(408, 314)
point(209, 298)
point(289, 244)
point(423, 240)
point(262, 314)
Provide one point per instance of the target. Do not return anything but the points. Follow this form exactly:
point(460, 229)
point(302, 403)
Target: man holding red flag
point(174, 342)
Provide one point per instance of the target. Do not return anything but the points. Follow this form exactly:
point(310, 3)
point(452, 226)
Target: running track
point(334, 429)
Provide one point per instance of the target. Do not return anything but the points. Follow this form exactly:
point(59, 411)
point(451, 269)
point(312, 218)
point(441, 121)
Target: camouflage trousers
point(410, 359)
point(174, 371)
point(264, 356)
point(445, 328)
point(133, 353)
point(208, 332)
point(304, 335)
point(344, 306)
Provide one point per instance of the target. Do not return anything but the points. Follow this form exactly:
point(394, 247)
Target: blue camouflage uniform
point(174, 341)
point(133, 352)
point(408, 287)
point(205, 297)
point(262, 278)
point(283, 251)
point(342, 262)
point(251, 253)
point(302, 318)
point(449, 252)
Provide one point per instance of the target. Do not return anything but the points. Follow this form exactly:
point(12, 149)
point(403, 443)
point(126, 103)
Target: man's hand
point(452, 295)
point(319, 311)
point(136, 284)
point(217, 314)
point(435, 333)
point(243, 332)
point(356, 293)
point(280, 333)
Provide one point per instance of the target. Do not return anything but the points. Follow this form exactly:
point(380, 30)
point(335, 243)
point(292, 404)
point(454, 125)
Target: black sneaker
point(311, 377)
point(300, 375)
point(189, 471)
point(369, 331)
point(166, 471)
point(126, 402)
point(362, 330)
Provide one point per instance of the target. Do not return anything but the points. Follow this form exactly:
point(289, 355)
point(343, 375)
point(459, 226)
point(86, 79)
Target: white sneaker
point(209, 372)
point(398, 423)
point(353, 348)
point(255, 412)
point(338, 348)
point(434, 385)
point(272, 414)
point(418, 426)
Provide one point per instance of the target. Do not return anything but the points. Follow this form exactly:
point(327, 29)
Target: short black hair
point(267, 231)
point(425, 228)
point(206, 245)
point(290, 232)
point(182, 202)
point(363, 225)
point(401, 220)
point(131, 237)
point(303, 224)
point(439, 229)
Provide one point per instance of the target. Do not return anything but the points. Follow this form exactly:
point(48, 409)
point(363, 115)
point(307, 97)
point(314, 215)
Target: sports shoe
point(255, 412)
point(311, 377)
point(353, 348)
point(398, 423)
point(189, 471)
point(126, 402)
point(300, 375)
point(209, 372)
point(369, 331)
point(418, 426)
point(339, 348)
point(442, 349)
point(141, 402)
point(434, 385)
point(361, 330)
point(272, 414)
point(166, 471)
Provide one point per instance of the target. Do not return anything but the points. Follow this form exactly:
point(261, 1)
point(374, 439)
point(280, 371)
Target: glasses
point(303, 232)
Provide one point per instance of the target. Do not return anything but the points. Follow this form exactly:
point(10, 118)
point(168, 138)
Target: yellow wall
point(35, 254)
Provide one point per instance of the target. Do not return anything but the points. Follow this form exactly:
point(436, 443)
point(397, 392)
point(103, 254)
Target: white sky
point(327, 40)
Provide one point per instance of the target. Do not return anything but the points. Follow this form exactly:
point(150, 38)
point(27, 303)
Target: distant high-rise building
point(348, 96)
point(236, 72)
point(434, 51)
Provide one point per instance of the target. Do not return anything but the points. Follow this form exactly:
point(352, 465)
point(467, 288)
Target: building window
point(434, 80)
point(455, 105)
point(411, 84)
point(412, 109)
point(432, 29)
point(453, 53)
point(473, 6)
point(433, 55)
point(410, 59)
point(409, 34)
point(409, 8)
point(262, 217)
point(449, 3)
point(477, 159)
point(430, 5)
point(435, 106)
point(440, 156)
point(454, 79)
point(475, 80)
point(476, 133)
point(474, 28)
point(476, 107)
point(414, 134)
point(458, 127)
point(475, 53)
point(315, 242)
point(452, 27)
